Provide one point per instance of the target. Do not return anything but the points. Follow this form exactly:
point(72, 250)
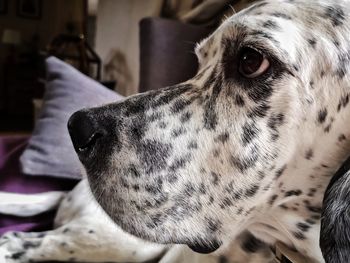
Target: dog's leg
point(29, 204)
point(80, 240)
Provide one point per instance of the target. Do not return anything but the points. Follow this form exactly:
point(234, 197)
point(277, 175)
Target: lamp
point(11, 37)
point(75, 50)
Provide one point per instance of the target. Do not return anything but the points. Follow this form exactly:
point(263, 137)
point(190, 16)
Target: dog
point(242, 151)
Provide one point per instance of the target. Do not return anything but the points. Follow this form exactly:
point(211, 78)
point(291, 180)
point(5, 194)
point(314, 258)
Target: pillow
point(50, 151)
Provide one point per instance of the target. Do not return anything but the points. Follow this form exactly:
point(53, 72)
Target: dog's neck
point(323, 145)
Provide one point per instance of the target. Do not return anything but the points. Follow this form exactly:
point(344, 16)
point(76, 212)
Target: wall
point(118, 28)
point(55, 15)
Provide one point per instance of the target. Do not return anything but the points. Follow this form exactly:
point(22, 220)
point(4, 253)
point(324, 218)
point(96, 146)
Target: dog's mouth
point(205, 249)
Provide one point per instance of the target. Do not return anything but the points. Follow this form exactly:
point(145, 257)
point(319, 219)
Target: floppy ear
point(335, 220)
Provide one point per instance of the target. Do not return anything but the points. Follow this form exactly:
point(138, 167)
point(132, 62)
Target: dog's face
point(189, 163)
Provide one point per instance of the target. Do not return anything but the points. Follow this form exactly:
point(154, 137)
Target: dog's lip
point(205, 248)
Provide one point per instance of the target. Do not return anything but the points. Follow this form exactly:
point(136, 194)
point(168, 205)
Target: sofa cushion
point(50, 151)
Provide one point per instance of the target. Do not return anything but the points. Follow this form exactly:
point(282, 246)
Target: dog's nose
point(84, 131)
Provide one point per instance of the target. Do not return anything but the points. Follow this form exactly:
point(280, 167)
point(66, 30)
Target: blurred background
point(114, 42)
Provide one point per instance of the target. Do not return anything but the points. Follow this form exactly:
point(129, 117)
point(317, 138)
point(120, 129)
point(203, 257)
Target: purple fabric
point(50, 150)
point(12, 180)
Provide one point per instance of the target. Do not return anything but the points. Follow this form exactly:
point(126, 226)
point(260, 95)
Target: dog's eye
point(252, 63)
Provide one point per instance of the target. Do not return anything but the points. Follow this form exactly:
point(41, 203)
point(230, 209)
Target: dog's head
point(190, 163)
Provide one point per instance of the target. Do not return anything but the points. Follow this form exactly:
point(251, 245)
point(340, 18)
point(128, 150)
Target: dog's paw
point(13, 249)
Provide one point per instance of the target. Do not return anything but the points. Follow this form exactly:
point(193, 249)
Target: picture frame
point(3, 7)
point(30, 9)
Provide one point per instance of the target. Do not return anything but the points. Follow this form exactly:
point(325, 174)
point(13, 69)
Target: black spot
point(335, 14)
point(215, 178)
point(280, 171)
point(310, 222)
point(213, 225)
point(343, 102)
point(211, 199)
point(273, 199)
point(239, 211)
point(179, 163)
point(244, 163)
point(216, 153)
point(312, 208)
point(155, 116)
point(309, 154)
point(66, 230)
point(328, 128)
point(18, 255)
point(210, 115)
point(284, 207)
point(154, 154)
point(270, 24)
point(177, 132)
point(259, 111)
point(179, 105)
point(281, 15)
point(223, 137)
point(169, 94)
point(132, 171)
point(185, 117)
point(162, 125)
point(322, 115)
point(303, 227)
point(251, 244)
point(137, 130)
point(226, 202)
point(312, 42)
point(312, 192)
point(341, 137)
point(152, 189)
point(343, 64)
point(30, 244)
point(239, 100)
point(91, 231)
point(275, 121)
point(223, 259)
point(250, 192)
point(263, 34)
point(192, 145)
point(250, 131)
point(293, 192)
point(299, 235)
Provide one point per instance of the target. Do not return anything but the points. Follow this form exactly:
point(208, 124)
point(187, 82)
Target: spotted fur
point(205, 161)
point(285, 127)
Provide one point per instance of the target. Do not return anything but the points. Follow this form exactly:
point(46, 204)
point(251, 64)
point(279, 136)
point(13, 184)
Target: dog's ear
point(335, 220)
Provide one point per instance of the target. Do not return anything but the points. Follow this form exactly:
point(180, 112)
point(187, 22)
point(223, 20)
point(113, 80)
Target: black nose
point(84, 131)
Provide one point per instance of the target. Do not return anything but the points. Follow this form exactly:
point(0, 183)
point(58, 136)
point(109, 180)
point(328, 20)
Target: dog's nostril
point(90, 142)
point(83, 131)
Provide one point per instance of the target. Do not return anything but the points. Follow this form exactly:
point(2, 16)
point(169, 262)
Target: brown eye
point(252, 63)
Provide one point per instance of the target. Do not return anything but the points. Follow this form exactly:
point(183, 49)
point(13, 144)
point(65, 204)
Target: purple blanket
point(12, 180)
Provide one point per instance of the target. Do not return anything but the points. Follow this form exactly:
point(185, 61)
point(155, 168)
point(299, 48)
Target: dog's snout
point(84, 131)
